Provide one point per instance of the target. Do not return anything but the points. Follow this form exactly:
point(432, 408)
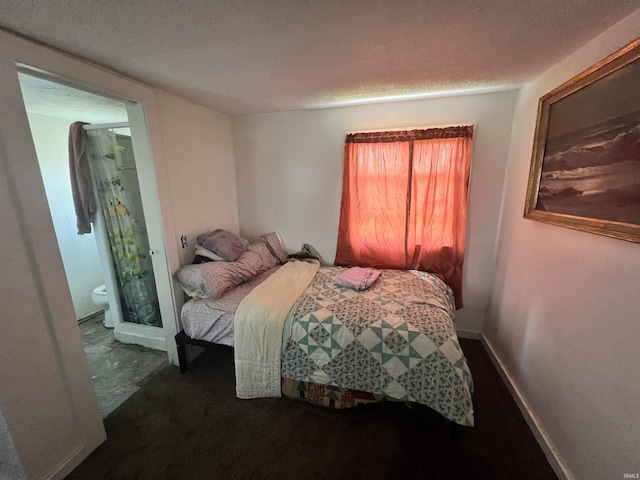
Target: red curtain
point(404, 201)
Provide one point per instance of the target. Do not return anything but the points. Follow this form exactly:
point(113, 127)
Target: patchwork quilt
point(396, 339)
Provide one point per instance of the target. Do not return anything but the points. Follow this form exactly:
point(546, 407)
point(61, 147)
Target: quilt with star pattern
point(396, 339)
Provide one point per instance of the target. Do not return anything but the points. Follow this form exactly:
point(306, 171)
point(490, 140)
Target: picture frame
point(585, 166)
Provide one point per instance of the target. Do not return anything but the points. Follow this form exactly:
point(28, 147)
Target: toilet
point(101, 299)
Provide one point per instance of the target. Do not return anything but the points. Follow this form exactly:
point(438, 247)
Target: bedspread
point(258, 326)
point(396, 339)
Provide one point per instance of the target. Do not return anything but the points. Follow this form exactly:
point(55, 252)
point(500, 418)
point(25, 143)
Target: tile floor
point(118, 370)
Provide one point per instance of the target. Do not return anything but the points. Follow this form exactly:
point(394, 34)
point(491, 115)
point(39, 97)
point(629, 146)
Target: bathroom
point(123, 346)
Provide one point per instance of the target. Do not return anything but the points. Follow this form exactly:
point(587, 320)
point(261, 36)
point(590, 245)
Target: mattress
point(212, 320)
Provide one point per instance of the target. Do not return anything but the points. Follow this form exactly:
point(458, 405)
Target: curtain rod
point(106, 125)
point(402, 129)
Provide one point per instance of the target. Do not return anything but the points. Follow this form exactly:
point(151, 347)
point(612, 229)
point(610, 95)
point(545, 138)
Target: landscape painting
point(595, 172)
point(586, 165)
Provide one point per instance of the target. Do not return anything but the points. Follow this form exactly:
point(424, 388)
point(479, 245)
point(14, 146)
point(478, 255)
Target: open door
point(46, 393)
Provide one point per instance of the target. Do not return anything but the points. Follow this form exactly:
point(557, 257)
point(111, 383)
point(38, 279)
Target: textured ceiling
point(241, 56)
point(53, 99)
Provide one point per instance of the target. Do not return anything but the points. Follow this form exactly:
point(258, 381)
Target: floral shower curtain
point(128, 243)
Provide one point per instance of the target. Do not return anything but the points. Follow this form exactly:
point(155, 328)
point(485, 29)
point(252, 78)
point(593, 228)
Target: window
point(404, 201)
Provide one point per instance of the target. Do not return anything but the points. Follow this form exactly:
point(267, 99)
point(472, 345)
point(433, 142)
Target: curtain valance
point(407, 135)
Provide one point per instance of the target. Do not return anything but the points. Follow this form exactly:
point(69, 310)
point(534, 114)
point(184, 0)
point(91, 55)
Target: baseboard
point(89, 316)
point(150, 337)
point(550, 451)
point(68, 464)
point(469, 334)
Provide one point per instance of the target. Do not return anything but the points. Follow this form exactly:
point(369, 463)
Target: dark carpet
point(191, 426)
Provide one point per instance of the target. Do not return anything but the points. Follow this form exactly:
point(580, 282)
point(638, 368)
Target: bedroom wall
point(79, 252)
point(199, 148)
point(289, 171)
point(563, 316)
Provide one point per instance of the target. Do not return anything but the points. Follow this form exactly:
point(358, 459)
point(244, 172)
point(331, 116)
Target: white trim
point(89, 316)
point(549, 449)
point(148, 181)
point(65, 467)
point(473, 335)
point(145, 335)
point(97, 126)
point(151, 179)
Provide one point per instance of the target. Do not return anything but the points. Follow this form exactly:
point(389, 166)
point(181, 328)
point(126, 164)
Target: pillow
point(226, 244)
point(274, 243)
point(194, 293)
point(203, 252)
point(267, 258)
point(213, 279)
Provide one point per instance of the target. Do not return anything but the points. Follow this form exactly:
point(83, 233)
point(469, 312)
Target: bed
point(295, 333)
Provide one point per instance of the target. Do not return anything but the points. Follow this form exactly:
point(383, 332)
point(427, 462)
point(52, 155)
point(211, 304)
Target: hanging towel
point(81, 187)
point(358, 278)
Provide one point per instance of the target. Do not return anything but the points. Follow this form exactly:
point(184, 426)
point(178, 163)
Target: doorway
point(123, 336)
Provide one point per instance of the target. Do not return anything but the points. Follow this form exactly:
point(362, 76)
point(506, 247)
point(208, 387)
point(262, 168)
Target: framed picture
point(585, 168)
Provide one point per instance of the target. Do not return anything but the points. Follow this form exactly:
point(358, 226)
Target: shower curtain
point(130, 258)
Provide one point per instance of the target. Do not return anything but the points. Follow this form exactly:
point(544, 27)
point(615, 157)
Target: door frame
point(47, 396)
point(154, 337)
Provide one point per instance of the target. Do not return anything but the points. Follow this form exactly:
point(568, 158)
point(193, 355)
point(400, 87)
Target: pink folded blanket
point(358, 278)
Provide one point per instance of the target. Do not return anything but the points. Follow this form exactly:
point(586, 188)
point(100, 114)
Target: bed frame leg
point(182, 356)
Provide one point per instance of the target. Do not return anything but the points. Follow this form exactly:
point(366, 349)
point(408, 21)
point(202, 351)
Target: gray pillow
point(224, 243)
